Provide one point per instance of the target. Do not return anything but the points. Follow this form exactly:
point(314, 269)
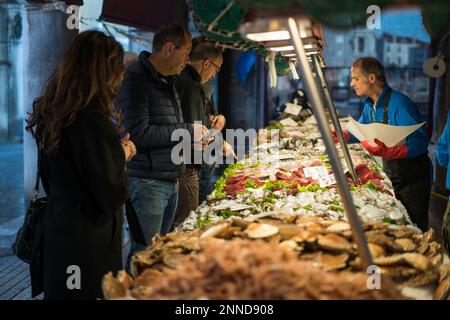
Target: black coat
point(194, 102)
point(86, 182)
point(151, 112)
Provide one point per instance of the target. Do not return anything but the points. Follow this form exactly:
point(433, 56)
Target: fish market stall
point(299, 217)
point(266, 211)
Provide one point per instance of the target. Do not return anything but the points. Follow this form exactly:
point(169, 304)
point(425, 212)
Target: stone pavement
point(11, 194)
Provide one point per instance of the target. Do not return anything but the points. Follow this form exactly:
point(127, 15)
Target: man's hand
point(128, 147)
point(228, 150)
point(199, 131)
point(381, 150)
point(345, 134)
point(218, 122)
point(200, 145)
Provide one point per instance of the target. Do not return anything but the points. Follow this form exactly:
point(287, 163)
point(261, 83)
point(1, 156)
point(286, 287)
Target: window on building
point(361, 44)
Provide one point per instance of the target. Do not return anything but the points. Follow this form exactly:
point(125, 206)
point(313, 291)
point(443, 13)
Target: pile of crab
point(235, 252)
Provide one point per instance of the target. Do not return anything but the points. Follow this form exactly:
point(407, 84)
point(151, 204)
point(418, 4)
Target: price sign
point(315, 172)
point(293, 109)
point(327, 181)
point(288, 122)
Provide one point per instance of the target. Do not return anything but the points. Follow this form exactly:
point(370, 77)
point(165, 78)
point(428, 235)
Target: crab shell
point(404, 232)
point(305, 236)
point(261, 230)
point(289, 244)
point(333, 242)
point(338, 227)
point(434, 248)
point(146, 277)
point(112, 288)
point(214, 230)
point(288, 231)
point(376, 250)
point(380, 238)
point(427, 238)
point(421, 279)
point(437, 259)
point(405, 244)
point(124, 278)
point(443, 290)
point(333, 262)
point(415, 260)
point(399, 272)
point(444, 272)
point(173, 260)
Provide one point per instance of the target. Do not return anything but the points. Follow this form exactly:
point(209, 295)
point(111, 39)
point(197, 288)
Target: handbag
point(26, 242)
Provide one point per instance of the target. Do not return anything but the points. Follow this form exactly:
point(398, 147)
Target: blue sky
point(406, 23)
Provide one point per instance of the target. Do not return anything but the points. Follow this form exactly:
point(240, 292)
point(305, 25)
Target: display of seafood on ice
point(286, 176)
point(279, 257)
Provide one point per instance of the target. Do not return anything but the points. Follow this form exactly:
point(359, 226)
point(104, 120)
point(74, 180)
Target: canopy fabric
point(145, 15)
point(219, 20)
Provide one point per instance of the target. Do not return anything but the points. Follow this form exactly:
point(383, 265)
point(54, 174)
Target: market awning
point(145, 14)
point(74, 2)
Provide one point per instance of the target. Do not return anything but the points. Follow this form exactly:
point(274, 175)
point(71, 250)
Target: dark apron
point(411, 179)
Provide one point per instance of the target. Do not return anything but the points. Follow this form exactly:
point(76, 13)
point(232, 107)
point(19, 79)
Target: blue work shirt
point(443, 148)
point(402, 112)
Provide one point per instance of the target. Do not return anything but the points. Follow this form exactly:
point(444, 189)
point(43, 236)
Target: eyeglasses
point(214, 65)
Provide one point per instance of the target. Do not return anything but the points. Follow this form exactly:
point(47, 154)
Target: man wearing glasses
point(205, 61)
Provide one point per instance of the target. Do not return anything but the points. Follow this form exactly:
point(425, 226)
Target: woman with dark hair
point(82, 170)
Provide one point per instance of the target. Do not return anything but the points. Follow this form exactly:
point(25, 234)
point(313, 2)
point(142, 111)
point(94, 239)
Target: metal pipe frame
point(319, 112)
point(334, 117)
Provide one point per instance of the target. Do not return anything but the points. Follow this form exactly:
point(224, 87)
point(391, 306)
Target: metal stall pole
point(314, 96)
point(334, 117)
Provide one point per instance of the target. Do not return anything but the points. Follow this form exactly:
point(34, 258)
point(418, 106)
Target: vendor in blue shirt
point(407, 164)
point(443, 150)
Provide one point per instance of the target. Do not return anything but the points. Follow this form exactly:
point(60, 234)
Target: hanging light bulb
point(283, 48)
point(269, 36)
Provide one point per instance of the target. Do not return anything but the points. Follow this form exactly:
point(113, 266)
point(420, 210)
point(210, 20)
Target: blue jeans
point(205, 175)
point(155, 202)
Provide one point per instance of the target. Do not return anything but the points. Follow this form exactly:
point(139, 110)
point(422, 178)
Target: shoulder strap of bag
point(38, 169)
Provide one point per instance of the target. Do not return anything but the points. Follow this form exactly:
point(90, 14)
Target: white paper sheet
point(389, 135)
point(316, 172)
point(327, 181)
point(288, 122)
point(292, 108)
point(310, 120)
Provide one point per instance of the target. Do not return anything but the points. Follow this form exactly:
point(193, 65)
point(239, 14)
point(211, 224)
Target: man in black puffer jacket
point(205, 61)
point(151, 113)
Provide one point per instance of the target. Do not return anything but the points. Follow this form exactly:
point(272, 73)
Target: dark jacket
point(86, 184)
point(208, 89)
point(151, 112)
point(194, 102)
